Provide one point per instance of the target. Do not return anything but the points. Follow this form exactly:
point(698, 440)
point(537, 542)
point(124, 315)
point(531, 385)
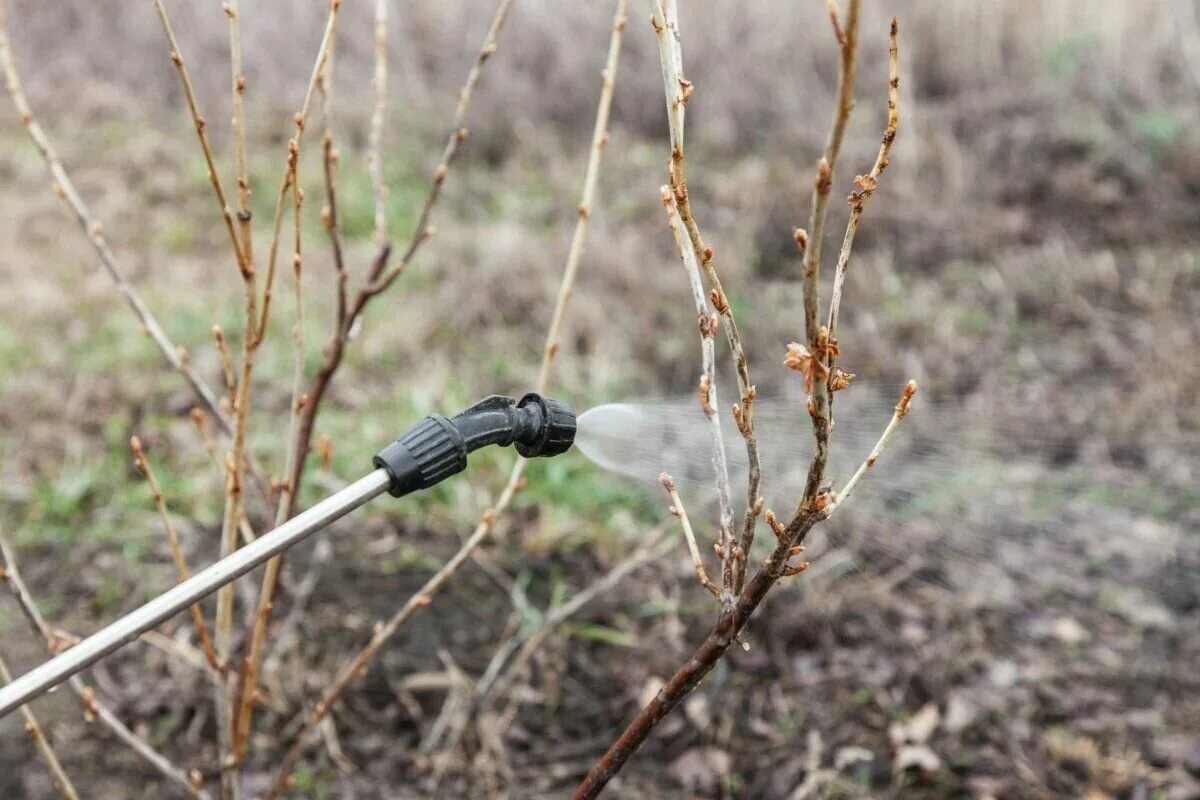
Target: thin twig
point(812, 241)
point(790, 541)
point(181, 567)
point(94, 231)
point(228, 725)
point(238, 122)
point(847, 39)
point(93, 707)
point(458, 134)
point(900, 413)
point(61, 782)
point(679, 90)
point(253, 660)
point(678, 510)
point(329, 214)
point(200, 124)
point(301, 121)
point(375, 139)
point(708, 324)
point(865, 185)
point(358, 666)
point(377, 281)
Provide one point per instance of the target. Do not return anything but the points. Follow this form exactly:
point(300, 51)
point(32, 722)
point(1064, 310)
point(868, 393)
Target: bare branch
point(92, 228)
point(678, 510)
point(181, 567)
point(707, 391)
point(375, 140)
point(811, 242)
point(865, 185)
point(301, 121)
point(199, 123)
point(377, 281)
point(238, 121)
point(458, 135)
point(61, 782)
point(270, 582)
point(678, 92)
point(847, 38)
point(900, 413)
point(94, 709)
point(359, 665)
point(790, 538)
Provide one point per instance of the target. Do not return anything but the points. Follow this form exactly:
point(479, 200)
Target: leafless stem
point(678, 510)
point(865, 185)
point(226, 363)
point(252, 663)
point(812, 241)
point(900, 413)
point(847, 38)
point(181, 567)
point(708, 324)
point(379, 277)
point(92, 228)
point(678, 91)
point(61, 782)
point(94, 708)
point(329, 214)
point(238, 90)
point(199, 123)
point(813, 508)
point(375, 141)
point(289, 173)
point(458, 134)
point(358, 666)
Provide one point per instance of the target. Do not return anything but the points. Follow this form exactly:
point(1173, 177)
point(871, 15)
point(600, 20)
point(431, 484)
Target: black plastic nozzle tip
point(555, 432)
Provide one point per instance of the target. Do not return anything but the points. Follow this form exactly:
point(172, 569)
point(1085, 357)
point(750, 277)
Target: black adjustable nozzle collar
point(436, 448)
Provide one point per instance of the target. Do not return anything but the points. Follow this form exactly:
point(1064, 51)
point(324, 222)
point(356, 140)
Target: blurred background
point(1010, 609)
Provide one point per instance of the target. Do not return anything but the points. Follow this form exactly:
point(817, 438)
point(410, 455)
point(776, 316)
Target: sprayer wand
point(428, 453)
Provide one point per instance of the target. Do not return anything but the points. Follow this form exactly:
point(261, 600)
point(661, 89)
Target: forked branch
point(361, 662)
point(813, 507)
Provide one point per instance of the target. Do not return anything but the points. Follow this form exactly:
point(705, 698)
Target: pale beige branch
point(358, 666)
point(375, 139)
point(708, 324)
point(901, 411)
point(181, 567)
point(689, 536)
point(62, 783)
point(458, 134)
point(94, 709)
point(678, 91)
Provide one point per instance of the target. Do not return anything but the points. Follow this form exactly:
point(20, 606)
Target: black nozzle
point(436, 448)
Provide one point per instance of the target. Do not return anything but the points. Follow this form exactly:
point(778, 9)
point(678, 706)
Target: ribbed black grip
point(426, 454)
